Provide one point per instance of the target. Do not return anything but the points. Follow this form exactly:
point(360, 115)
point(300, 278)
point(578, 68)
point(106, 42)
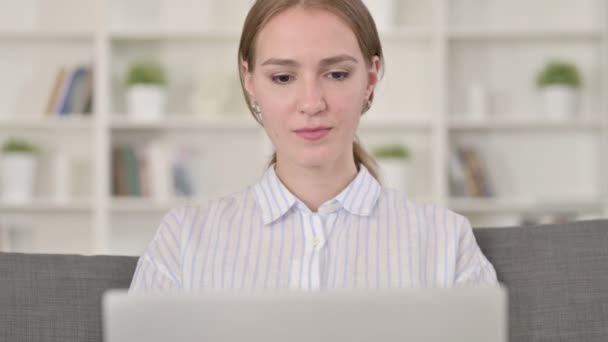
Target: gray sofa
point(557, 276)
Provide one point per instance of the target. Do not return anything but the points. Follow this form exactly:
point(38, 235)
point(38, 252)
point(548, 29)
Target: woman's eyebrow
point(324, 62)
point(281, 62)
point(337, 59)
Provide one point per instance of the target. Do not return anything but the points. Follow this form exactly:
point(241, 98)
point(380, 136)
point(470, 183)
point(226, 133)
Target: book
point(131, 167)
point(155, 170)
point(56, 90)
point(143, 172)
point(181, 170)
point(119, 179)
point(81, 92)
point(72, 91)
point(457, 176)
point(68, 83)
point(476, 180)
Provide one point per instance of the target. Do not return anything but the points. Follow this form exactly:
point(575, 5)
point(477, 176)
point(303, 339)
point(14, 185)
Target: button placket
point(318, 240)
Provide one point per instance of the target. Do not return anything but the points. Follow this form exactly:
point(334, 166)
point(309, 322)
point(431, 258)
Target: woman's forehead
point(309, 34)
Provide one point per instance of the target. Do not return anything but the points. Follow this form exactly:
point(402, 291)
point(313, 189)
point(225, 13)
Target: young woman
point(318, 218)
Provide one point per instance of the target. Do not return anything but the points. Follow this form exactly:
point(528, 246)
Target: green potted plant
point(394, 163)
point(18, 171)
point(146, 90)
point(559, 82)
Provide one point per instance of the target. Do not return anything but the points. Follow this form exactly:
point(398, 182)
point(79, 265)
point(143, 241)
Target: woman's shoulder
point(194, 209)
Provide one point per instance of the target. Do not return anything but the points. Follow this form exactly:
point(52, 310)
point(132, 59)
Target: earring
point(367, 105)
point(256, 108)
point(257, 111)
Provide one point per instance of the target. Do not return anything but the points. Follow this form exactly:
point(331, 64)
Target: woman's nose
point(311, 98)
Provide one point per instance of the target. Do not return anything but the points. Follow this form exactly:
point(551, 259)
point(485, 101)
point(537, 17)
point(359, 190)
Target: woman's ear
point(373, 75)
point(247, 79)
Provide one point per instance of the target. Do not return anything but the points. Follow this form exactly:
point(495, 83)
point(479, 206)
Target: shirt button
point(316, 242)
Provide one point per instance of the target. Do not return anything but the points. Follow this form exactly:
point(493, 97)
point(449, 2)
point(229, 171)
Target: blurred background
point(114, 111)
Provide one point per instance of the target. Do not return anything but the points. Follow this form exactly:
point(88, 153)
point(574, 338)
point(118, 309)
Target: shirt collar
point(275, 200)
point(272, 196)
point(361, 195)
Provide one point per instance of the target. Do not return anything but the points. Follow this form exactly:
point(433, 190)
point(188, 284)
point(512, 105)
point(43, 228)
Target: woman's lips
point(315, 133)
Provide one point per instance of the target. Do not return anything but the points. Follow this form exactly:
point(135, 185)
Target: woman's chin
point(318, 156)
point(315, 160)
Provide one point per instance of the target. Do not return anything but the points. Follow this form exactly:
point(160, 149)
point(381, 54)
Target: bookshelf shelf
point(134, 205)
point(522, 205)
point(187, 122)
point(526, 124)
point(46, 35)
point(48, 206)
point(126, 35)
point(73, 122)
point(501, 34)
point(389, 122)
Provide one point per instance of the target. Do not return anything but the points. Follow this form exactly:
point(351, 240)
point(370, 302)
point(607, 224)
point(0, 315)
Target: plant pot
point(559, 102)
point(17, 177)
point(146, 102)
point(384, 13)
point(394, 172)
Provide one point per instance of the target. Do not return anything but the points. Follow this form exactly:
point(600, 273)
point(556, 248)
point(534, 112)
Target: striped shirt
point(264, 237)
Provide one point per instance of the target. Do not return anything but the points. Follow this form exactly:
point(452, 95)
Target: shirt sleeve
point(159, 267)
point(472, 266)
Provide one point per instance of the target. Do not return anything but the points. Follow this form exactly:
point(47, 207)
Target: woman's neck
point(315, 186)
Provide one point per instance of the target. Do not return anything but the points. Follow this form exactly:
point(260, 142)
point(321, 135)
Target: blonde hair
point(352, 12)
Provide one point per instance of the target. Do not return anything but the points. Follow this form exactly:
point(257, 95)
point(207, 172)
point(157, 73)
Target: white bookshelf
point(396, 122)
point(56, 36)
point(497, 34)
point(525, 205)
point(525, 124)
point(434, 52)
point(138, 205)
point(129, 35)
point(188, 122)
point(48, 206)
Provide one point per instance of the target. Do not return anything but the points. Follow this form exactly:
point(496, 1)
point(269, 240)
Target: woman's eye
point(281, 79)
point(338, 75)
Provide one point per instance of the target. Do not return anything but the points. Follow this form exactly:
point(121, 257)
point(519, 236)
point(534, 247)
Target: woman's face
point(311, 83)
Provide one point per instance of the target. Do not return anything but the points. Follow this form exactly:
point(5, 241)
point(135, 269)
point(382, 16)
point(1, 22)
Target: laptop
point(430, 315)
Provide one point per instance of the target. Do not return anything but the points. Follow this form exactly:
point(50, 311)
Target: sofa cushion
point(57, 297)
point(557, 279)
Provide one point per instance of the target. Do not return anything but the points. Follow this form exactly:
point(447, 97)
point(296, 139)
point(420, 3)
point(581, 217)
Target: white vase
point(384, 13)
point(559, 102)
point(17, 174)
point(394, 173)
point(146, 102)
